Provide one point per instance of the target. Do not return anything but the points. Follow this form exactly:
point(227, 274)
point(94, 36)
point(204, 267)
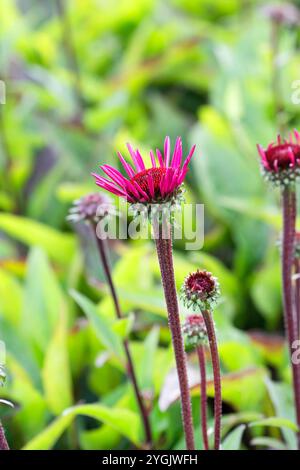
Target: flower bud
point(200, 291)
point(194, 331)
point(91, 208)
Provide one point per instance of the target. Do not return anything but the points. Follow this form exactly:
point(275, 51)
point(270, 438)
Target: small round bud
point(200, 290)
point(91, 208)
point(194, 331)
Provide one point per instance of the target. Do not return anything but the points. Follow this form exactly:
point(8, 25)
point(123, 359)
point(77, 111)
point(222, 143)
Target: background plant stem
point(203, 407)
point(217, 375)
point(130, 367)
point(291, 327)
point(3, 441)
point(165, 258)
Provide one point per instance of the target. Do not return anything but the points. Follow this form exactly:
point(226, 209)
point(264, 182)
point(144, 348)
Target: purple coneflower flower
point(281, 165)
point(281, 161)
point(158, 184)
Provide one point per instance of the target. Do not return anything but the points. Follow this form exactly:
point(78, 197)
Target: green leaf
point(102, 325)
point(268, 442)
point(147, 360)
point(123, 326)
point(234, 439)
point(48, 437)
point(124, 421)
point(10, 297)
point(282, 401)
point(275, 421)
point(43, 300)
point(60, 247)
point(56, 371)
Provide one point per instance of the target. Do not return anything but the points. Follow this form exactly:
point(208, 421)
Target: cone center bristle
point(142, 178)
point(201, 282)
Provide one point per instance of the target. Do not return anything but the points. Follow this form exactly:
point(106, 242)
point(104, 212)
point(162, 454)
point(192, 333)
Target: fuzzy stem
point(217, 374)
point(3, 441)
point(291, 327)
point(130, 366)
point(203, 409)
point(165, 258)
point(297, 293)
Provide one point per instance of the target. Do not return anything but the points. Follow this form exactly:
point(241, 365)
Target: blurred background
point(82, 78)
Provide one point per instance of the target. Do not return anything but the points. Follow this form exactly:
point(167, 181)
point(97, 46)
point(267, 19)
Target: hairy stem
point(130, 367)
point(165, 258)
point(203, 408)
point(297, 292)
point(291, 327)
point(217, 375)
point(3, 441)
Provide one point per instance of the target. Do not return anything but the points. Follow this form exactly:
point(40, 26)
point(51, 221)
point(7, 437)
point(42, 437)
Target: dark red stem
point(291, 327)
point(209, 323)
point(297, 292)
point(165, 258)
point(203, 398)
point(130, 367)
point(3, 441)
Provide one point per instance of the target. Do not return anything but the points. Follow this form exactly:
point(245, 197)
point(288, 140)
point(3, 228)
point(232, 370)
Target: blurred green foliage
point(83, 77)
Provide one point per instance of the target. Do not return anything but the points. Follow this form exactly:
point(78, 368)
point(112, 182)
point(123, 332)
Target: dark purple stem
point(217, 374)
point(203, 408)
point(165, 258)
point(291, 327)
point(130, 366)
point(297, 293)
point(3, 441)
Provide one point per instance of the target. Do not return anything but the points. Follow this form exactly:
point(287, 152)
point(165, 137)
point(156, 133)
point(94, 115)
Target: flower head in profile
point(286, 13)
point(194, 331)
point(280, 161)
point(159, 184)
point(200, 290)
point(91, 208)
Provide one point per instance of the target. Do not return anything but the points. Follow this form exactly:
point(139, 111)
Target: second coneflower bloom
point(280, 161)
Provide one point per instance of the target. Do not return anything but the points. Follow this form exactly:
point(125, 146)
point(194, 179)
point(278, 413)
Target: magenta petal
point(297, 136)
point(174, 183)
point(140, 190)
point(262, 153)
point(167, 151)
point(115, 175)
point(153, 162)
point(137, 159)
point(188, 158)
point(105, 184)
point(126, 166)
point(160, 158)
point(292, 156)
point(168, 179)
point(177, 155)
